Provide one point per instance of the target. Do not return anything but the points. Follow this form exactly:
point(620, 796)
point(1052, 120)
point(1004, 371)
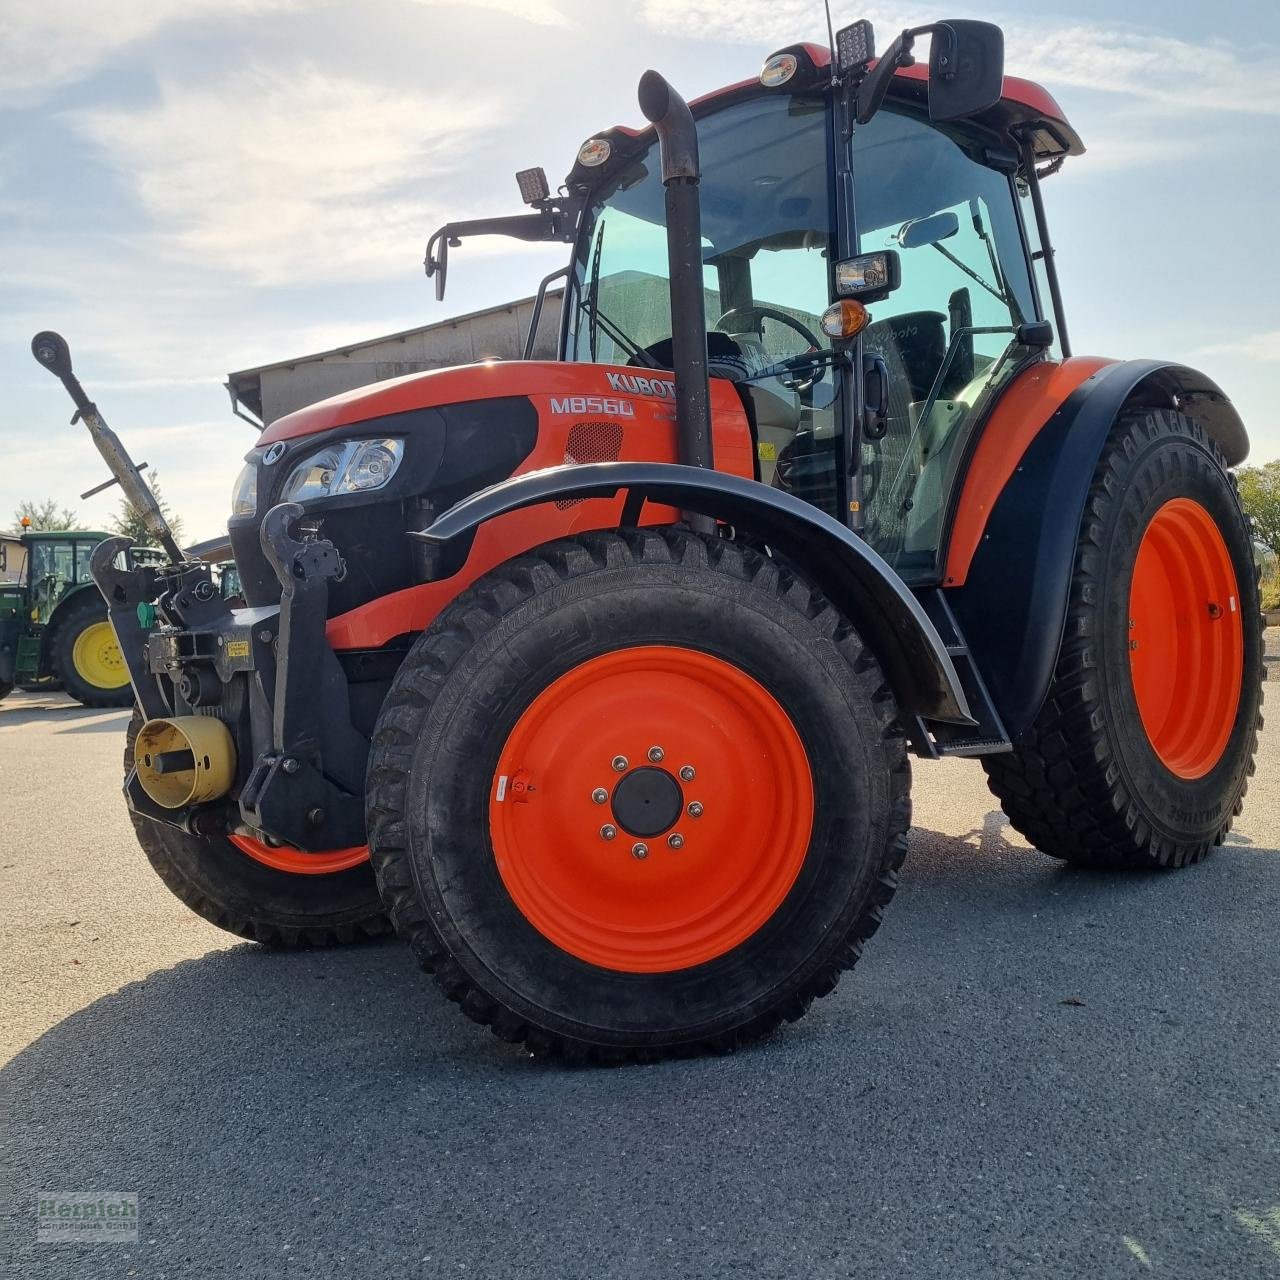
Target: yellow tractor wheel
point(86, 656)
point(97, 657)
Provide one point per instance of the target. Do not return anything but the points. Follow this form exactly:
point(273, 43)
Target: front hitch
point(307, 788)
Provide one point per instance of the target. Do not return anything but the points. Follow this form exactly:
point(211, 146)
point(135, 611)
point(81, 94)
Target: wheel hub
point(647, 802)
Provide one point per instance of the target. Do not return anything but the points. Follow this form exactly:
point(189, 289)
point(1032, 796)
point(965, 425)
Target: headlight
point(351, 466)
point(244, 497)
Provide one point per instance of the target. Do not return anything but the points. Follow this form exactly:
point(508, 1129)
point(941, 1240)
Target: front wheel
point(638, 793)
point(1144, 747)
point(275, 896)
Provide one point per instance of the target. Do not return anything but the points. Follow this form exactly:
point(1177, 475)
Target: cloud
point(1255, 346)
point(540, 12)
point(56, 42)
point(289, 177)
point(1179, 75)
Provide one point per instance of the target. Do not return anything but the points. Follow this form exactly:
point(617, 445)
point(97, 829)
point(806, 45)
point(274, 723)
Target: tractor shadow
point(329, 1109)
point(22, 709)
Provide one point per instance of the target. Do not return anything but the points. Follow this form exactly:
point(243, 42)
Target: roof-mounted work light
point(855, 46)
point(533, 185)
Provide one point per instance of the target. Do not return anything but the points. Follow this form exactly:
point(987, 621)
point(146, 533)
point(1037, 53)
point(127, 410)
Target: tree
point(1260, 494)
point(129, 523)
point(44, 515)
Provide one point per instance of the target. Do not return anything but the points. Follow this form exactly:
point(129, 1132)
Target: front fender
point(852, 576)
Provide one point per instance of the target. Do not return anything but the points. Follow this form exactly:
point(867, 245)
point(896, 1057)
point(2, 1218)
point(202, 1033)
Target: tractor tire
point(86, 657)
point(242, 895)
point(1141, 754)
point(638, 794)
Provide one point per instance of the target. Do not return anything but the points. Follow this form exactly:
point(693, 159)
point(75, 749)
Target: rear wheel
point(276, 896)
point(638, 793)
point(86, 656)
point(1142, 752)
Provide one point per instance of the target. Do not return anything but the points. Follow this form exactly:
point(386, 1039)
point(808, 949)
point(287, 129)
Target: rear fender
point(852, 576)
point(1011, 601)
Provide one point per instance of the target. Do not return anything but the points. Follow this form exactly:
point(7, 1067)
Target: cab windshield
point(767, 248)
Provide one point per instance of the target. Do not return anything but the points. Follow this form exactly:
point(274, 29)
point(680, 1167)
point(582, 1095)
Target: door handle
point(875, 396)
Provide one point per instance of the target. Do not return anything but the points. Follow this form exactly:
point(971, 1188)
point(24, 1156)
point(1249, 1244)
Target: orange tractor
point(600, 678)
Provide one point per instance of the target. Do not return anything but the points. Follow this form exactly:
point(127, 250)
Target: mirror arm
point(557, 222)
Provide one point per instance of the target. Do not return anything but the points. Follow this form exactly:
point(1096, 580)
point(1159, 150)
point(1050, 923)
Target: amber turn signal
point(845, 319)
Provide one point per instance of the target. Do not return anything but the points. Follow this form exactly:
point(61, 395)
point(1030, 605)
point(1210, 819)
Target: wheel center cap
point(647, 801)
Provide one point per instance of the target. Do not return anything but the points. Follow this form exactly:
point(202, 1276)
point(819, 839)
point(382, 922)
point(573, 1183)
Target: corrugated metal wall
point(498, 333)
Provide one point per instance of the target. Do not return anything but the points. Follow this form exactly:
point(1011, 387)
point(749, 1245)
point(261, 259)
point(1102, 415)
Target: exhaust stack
point(681, 174)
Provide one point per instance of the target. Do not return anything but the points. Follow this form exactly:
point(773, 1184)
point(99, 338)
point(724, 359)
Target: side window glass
point(947, 334)
point(83, 552)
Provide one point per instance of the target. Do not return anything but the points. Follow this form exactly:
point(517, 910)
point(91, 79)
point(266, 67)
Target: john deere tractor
point(53, 620)
point(602, 677)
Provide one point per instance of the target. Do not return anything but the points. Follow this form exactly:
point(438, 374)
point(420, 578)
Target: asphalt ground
point(1034, 1072)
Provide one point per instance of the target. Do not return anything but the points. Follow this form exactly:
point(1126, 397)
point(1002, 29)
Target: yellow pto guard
point(186, 760)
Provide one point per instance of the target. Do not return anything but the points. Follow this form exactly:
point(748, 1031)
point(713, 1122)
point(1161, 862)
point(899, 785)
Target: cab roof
point(1025, 109)
point(61, 535)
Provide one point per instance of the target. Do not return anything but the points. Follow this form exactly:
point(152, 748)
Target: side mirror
point(966, 68)
point(436, 261)
point(924, 231)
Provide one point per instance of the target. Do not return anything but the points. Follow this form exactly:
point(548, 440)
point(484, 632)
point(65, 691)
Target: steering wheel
point(757, 313)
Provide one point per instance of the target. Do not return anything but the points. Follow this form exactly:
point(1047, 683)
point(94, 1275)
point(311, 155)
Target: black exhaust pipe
point(681, 173)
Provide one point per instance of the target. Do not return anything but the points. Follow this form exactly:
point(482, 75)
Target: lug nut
point(639, 850)
point(676, 840)
point(599, 795)
point(608, 831)
point(656, 754)
point(695, 809)
point(620, 764)
point(686, 773)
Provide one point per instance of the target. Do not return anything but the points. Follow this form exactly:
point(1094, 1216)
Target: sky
point(190, 187)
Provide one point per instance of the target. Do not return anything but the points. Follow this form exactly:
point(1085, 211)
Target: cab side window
point(947, 334)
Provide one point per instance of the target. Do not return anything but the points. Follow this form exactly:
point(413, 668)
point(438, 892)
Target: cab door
point(944, 200)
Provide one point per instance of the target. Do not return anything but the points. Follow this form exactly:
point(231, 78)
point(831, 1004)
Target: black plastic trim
point(856, 580)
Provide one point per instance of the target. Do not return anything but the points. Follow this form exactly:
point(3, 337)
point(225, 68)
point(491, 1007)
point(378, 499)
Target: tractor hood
point(489, 380)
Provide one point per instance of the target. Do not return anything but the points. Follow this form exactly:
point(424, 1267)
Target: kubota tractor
point(601, 676)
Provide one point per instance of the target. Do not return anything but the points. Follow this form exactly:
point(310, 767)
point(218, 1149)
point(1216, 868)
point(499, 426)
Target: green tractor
point(53, 619)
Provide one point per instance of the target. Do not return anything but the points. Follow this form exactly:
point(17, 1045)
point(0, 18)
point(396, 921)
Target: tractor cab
point(797, 202)
point(925, 212)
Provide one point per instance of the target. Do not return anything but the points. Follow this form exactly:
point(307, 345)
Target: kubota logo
point(642, 386)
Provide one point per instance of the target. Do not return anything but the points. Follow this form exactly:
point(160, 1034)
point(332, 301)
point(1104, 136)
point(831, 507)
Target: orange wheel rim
point(1186, 638)
point(298, 863)
point(704, 783)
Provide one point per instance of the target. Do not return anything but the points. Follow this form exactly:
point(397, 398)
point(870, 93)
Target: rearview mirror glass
point(922, 231)
point(966, 68)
